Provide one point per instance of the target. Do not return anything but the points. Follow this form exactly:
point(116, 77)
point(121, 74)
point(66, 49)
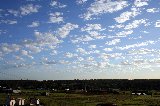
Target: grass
point(66, 99)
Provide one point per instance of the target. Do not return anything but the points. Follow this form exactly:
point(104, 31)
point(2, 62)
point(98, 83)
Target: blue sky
point(79, 39)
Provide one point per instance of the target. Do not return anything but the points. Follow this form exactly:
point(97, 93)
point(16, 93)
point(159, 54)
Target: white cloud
point(65, 29)
point(96, 35)
point(81, 1)
point(29, 9)
point(136, 45)
point(113, 42)
point(33, 48)
point(140, 3)
point(157, 24)
point(80, 58)
point(24, 52)
point(19, 58)
point(104, 56)
point(84, 38)
point(55, 17)
point(54, 52)
point(93, 31)
point(152, 10)
point(103, 6)
point(125, 63)
point(44, 39)
point(125, 16)
point(108, 49)
point(142, 51)
point(57, 4)
point(90, 58)
point(124, 33)
point(116, 26)
point(53, 3)
point(11, 22)
point(92, 46)
point(34, 24)
point(103, 64)
point(81, 51)
point(3, 32)
point(14, 12)
point(136, 24)
point(70, 55)
point(8, 48)
point(90, 27)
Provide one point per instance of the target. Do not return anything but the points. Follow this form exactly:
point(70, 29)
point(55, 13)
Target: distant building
point(10, 101)
point(20, 102)
point(139, 93)
point(47, 93)
point(16, 91)
point(34, 101)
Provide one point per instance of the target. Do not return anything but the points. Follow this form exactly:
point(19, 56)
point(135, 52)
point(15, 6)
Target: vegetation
point(69, 99)
point(86, 92)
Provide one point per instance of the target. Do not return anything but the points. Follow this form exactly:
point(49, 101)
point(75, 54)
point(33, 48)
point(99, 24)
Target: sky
point(79, 39)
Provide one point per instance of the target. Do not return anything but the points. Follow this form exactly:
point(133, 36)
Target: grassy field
point(66, 99)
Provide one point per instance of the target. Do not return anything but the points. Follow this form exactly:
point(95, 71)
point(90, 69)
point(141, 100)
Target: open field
point(69, 99)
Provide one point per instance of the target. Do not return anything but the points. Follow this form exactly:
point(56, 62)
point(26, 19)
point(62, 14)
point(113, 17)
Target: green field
point(70, 99)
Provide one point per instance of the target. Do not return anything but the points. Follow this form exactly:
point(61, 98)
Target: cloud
point(3, 32)
point(8, 48)
point(93, 31)
point(142, 51)
point(116, 26)
point(80, 58)
point(125, 63)
point(44, 39)
point(81, 1)
point(14, 12)
point(70, 55)
point(29, 9)
point(108, 49)
point(140, 3)
point(57, 4)
point(11, 22)
point(92, 46)
point(157, 24)
point(90, 58)
point(34, 24)
point(96, 35)
point(25, 10)
point(19, 58)
point(82, 51)
point(113, 42)
point(85, 38)
point(136, 24)
point(104, 56)
point(25, 53)
point(125, 16)
point(103, 6)
point(55, 17)
point(152, 10)
point(33, 48)
point(54, 52)
point(136, 45)
point(65, 29)
point(90, 27)
point(103, 64)
point(124, 33)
